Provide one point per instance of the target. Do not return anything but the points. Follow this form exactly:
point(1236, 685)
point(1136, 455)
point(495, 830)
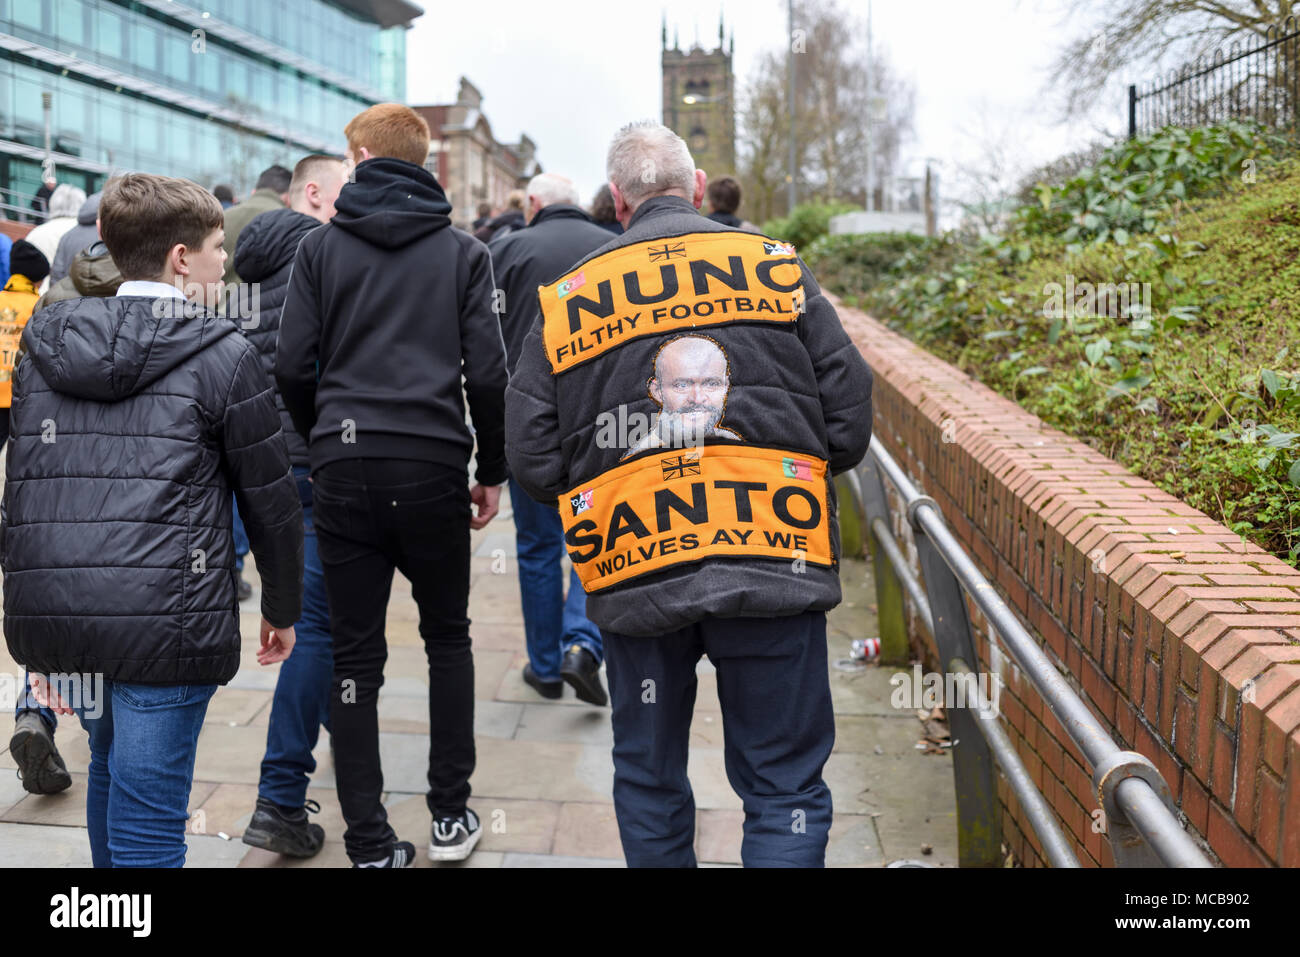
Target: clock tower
point(699, 101)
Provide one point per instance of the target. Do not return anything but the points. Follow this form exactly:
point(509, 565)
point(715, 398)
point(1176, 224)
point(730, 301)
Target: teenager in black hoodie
point(387, 308)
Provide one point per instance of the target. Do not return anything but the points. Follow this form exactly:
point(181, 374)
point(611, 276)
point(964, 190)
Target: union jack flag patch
point(687, 463)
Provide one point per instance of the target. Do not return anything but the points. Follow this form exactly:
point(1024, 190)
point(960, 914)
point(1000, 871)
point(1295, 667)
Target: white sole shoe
point(456, 852)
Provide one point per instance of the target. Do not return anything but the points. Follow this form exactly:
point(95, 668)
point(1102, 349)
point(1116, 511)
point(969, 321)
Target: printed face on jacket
point(690, 384)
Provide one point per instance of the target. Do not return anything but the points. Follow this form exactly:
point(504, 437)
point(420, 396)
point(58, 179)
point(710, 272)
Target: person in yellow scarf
point(28, 267)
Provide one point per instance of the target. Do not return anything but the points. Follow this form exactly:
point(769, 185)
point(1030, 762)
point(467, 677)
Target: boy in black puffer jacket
point(133, 419)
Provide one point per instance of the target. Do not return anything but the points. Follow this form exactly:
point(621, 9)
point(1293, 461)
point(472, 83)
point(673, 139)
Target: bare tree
point(832, 109)
point(984, 179)
point(1122, 35)
point(764, 138)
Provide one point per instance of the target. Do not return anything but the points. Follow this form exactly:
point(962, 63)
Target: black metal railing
point(1260, 82)
point(1141, 822)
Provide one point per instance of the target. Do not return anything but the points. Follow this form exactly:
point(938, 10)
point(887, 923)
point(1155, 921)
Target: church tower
point(699, 101)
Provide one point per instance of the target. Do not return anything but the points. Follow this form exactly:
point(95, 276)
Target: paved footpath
point(543, 783)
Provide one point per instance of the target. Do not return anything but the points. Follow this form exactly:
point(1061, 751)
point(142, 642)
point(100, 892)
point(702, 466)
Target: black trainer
point(401, 855)
point(454, 837)
point(547, 689)
point(284, 831)
point(39, 763)
point(243, 589)
point(582, 670)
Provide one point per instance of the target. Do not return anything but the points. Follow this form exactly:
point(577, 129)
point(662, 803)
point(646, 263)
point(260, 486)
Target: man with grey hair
point(563, 645)
point(718, 537)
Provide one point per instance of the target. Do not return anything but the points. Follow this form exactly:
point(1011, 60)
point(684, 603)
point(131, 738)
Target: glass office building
point(212, 90)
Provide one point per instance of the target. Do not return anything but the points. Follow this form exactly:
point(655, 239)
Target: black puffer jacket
point(130, 426)
point(264, 255)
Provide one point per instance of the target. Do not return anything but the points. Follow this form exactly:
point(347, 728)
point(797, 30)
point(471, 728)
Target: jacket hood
point(93, 271)
point(89, 209)
point(391, 203)
point(269, 242)
point(109, 349)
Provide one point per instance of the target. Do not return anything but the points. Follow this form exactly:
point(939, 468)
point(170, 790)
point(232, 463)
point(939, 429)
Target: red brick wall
point(14, 230)
point(1183, 638)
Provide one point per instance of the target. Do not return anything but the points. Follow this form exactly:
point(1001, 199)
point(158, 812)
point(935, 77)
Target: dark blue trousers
point(302, 692)
point(778, 729)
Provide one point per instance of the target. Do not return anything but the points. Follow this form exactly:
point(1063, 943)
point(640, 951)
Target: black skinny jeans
point(371, 516)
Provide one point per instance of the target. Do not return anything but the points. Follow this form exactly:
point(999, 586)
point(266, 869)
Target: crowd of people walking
point(159, 430)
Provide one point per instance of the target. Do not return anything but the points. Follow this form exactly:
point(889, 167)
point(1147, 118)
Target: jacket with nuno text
point(684, 401)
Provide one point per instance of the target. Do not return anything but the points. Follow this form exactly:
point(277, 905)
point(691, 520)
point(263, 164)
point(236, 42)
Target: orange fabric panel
point(683, 505)
point(666, 285)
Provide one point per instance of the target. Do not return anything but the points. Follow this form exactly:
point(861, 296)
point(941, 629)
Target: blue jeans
point(301, 703)
point(241, 536)
point(142, 748)
point(27, 702)
point(551, 622)
point(778, 728)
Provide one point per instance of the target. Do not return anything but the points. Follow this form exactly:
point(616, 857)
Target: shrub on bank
point(1167, 337)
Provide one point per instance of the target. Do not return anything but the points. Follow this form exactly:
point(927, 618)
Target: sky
point(570, 73)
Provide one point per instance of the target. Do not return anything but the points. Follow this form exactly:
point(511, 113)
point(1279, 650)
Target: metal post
point(979, 824)
point(891, 614)
point(1132, 111)
point(790, 174)
point(930, 226)
point(47, 106)
point(871, 116)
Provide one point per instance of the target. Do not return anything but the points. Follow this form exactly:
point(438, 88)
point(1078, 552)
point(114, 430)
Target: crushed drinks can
point(865, 649)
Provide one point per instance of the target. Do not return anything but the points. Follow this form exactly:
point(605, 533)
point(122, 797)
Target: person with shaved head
point(264, 255)
point(563, 645)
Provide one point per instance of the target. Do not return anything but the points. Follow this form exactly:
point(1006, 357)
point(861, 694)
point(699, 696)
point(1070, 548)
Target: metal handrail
point(1141, 821)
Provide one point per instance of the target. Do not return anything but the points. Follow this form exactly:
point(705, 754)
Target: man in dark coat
point(510, 219)
point(724, 199)
point(388, 309)
point(133, 419)
point(559, 233)
point(684, 403)
point(264, 257)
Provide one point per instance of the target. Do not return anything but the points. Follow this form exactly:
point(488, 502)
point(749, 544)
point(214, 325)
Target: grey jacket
point(79, 237)
point(795, 395)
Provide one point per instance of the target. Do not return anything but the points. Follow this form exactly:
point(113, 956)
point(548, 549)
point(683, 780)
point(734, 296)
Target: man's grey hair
point(551, 188)
point(66, 200)
point(648, 159)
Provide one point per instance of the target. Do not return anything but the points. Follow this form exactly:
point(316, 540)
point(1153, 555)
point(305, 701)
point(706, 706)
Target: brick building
point(468, 160)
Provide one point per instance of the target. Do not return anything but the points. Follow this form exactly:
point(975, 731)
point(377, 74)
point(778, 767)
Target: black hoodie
point(263, 260)
point(130, 426)
point(387, 307)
